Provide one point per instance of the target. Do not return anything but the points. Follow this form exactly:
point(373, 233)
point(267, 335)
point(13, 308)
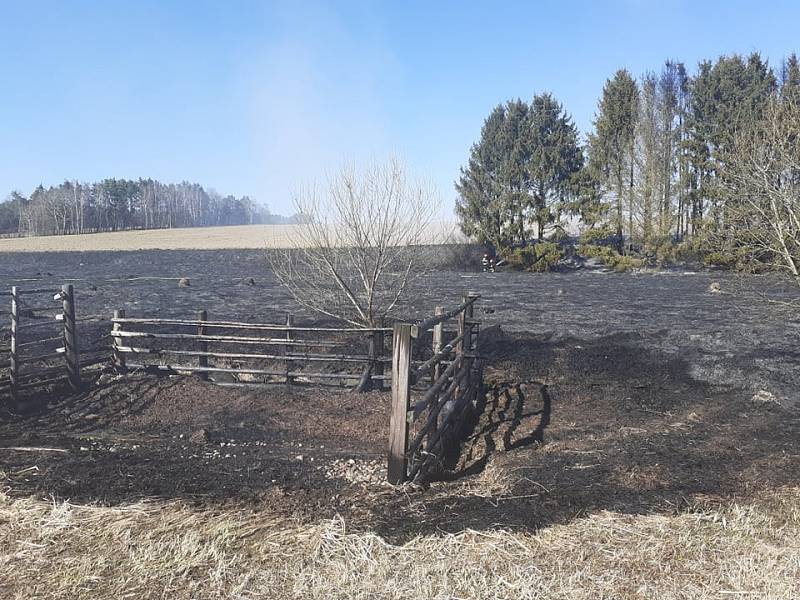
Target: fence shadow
point(573, 426)
point(569, 426)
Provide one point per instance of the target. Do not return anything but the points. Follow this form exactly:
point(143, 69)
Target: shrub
point(720, 259)
point(537, 258)
point(604, 253)
point(626, 263)
point(612, 258)
point(558, 235)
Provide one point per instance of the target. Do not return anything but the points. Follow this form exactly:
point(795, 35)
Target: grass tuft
point(168, 549)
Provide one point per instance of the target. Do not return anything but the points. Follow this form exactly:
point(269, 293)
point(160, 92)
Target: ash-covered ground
point(626, 392)
point(738, 338)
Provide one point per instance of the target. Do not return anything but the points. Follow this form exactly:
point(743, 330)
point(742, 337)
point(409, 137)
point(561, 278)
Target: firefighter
point(488, 263)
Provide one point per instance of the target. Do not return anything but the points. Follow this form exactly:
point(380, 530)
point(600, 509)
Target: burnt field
point(628, 392)
point(738, 338)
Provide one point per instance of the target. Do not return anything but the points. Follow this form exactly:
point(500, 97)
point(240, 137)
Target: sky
point(266, 98)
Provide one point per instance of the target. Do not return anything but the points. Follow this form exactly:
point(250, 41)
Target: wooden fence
point(432, 399)
point(237, 353)
point(435, 372)
point(434, 387)
point(40, 346)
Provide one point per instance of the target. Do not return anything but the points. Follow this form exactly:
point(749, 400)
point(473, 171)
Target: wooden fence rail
point(274, 352)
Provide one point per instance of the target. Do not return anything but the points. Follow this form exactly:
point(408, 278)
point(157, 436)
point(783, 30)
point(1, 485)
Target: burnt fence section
point(237, 353)
point(39, 341)
point(433, 400)
point(433, 366)
point(435, 372)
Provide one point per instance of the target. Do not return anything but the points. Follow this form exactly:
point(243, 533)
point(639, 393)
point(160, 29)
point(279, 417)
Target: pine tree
point(669, 91)
point(555, 160)
point(612, 144)
point(490, 203)
point(726, 98)
point(521, 172)
point(790, 79)
point(648, 155)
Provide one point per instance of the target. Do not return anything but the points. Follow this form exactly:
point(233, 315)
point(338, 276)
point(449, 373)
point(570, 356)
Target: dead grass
point(171, 550)
point(194, 238)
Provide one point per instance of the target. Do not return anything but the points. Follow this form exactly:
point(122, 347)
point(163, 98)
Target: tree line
point(663, 167)
point(119, 204)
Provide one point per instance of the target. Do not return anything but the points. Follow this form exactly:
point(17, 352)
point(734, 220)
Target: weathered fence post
point(14, 366)
point(461, 348)
point(469, 313)
point(471, 347)
point(460, 331)
point(71, 336)
point(438, 339)
point(202, 359)
point(401, 401)
point(289, 348)
point(376, 356)
point(119, 357)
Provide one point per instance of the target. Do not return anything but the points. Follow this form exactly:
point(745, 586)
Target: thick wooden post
point(202, 360)
point(401, 402)
point(71, 337)
point(14, 341)
point(471, 347)
point(119, 357)
point(289, 348)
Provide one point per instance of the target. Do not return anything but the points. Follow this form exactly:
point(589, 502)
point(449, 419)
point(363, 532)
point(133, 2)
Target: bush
point(604, 253)
point(720, 259)
point(537, 258)
point(612, 258)
point(627, 263)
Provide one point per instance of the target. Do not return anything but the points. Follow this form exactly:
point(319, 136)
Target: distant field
point(194, 238)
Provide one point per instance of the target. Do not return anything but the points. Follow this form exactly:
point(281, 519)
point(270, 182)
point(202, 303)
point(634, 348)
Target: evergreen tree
point(555, 160)
point(648, 156)
point(521, 172)
point(490, 203)
point(668, 96)
point(790, 79)
point(612, 144)
point(726, 97)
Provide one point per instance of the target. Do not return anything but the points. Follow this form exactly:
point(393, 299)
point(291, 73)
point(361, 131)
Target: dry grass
point(170, 550)
point(195, 238)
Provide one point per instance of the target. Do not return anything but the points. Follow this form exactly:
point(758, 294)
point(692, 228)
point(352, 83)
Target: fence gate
point(39, 342)
point(432, 400)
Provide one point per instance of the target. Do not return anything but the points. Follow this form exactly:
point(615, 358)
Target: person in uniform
point(488, 263)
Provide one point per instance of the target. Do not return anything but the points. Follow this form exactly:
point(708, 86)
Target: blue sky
point(261, 98)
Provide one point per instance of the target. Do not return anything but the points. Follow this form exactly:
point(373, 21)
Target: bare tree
point(761, 181)
point(362, 242)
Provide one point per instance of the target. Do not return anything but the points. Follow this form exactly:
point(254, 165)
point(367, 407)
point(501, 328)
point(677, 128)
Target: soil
point(629, 392)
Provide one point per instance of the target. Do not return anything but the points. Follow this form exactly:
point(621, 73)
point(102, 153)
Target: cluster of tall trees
point(118, 204)
point(656, 169)
point(522, 172)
